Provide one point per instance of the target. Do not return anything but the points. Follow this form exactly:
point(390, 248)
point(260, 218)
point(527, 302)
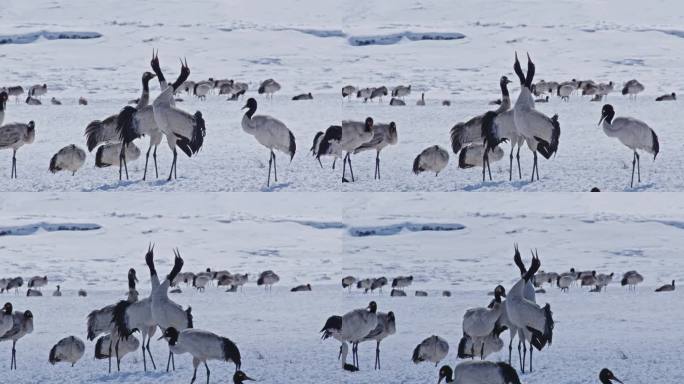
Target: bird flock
point(514, 309)
point(477, 141)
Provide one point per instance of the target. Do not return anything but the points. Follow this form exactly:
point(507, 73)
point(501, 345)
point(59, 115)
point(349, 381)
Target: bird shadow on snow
point(480, 185)
point(112, 186)
point(276, 187)
point(639, 188)
point(128, 376)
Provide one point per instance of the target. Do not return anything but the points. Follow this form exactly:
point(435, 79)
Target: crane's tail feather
point(462, 354)
point(417, 169)
point(98, 158)
point(53, 359)
point(417, 358)
point(456, 134)
point(188, 316)
point(462, 163)
point(54, 168)
point(508, 373)
point(656, 144)
point(292, 148)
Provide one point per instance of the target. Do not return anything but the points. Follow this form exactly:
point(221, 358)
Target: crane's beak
point(245, 107)
point(601, 121)
point(618, 380)
point(247, 378)
point(160, 337)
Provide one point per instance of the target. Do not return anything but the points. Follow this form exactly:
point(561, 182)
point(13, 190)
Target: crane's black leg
point(208, 373)
point(118, 360)
point(149, 352)
point(484, 163)
point(13, 362)
point(334, 161)
point(270, 162)
point(377, 165)
point(168, 362)
point(154, 155)
point(482, 351)
point(344, 168)
point(631, 184)
point(350, 167)
point(14, 165)
point(194, 375)
point(522, 367)
point(110, 355)
point(536, 167)
point(517, 157)
point(377, 356)
point(638, 166)
point(510, 165)
point(144, 359)
point(524, 355)
point(531, 351)
point(173, 164)
point(147, 158)
point(510, 350)
point(319, 162)
point(275, 167)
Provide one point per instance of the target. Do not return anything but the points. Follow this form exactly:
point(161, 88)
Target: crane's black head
point(369, 124)
point(147, 76)
point(372, 307)
point(171, 335)
point(3, 100)
point(132, 275)
point(504, 81)
point(445, 373)
point(391, 318)
point(607, 113)
point(593, 273)
point(240, 377)
point(499, 292)
point(28, 315)
point(251, 106)
point(607, 377)
point(7, 308)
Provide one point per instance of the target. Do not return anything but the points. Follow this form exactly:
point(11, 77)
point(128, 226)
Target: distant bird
point(54, 101)
point(69, 350)
point(6, 318)
point(202, 346)
point(421, 101)
point(301, 288)
point(472, 155)
point(303, 96)
point(631, 279)
point(670, 97)
point(182, 130)
point(446, 293)
point(666, 287)
point(433, 349)
point(269, 87)
point(632, 88)
point(607, 377)
point(37, 282)
point(269, 132)
point(267, 279)
point(386, 327)
point(352, 328)
point(378, 93)
point(70, 158)
point(539, 131)
point(14, 283)
point(348, 91)
point(565, 90)
point(469, 348)
point(14, 136)
point(200, 282)
point(33, 101)
point(345, 139)
point(602, 280)
point(401, 91)
point(479, 323)
point(397, 102)
point(446, 103)
point(108, 155)
point(589, 280)
point(38, 90)
point(15, 91)
point(397, 293)
point(421, 294)
point(542, 100)
point(57, 292)
point(22, 326)
point(632, 133)
point(432, 159)
point(471, 372)
point(3, 105)
point(348, 282)
point(82, 101)
point(202, 89)
point(364, 93)
point(402, 281)
point(82, 293)
point(383, 136)
point(33, 293)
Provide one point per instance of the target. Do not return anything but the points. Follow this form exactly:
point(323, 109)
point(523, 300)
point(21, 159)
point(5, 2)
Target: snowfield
point(98, 50)
point(457, 242)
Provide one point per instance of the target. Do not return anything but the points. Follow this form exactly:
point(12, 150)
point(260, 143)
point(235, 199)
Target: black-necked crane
point(182, 130)
point(472, 155)
point(269, 132)
point(402, 281)
point(632, 133)
point(631, 279)
point(134, 122)
point(303, 96)
point(632, 88)
point(431, 159)
point(13, 136)
point(401, 91)
point(267, 279)
point(478, 323)
point(352, 328)
point(103, 346)
point(666, 287)
point(16, 91)
point(481, 129)
point(535, 323)
point(318, 138)
point(387, 326)
point(421, 101)
point(364, 93)
point(348, 282)
point(3, 105)
point(57, 292)
point(348, 91)
point(6, 318)
point(667, 97)
point(22, 326)
point(109, 154)
point(202, 345)
point(378, 92)
point(383, 135)
point(38, 90)
point(70, 158)
point(346, 138)
point(469, 348)
point(37, 282)
point(476, 372)
point(68, 350)
point(433, 349)
point(165, 312)
point(606, 376)
point(540, 132)
point(301, 288)
point(268, 87)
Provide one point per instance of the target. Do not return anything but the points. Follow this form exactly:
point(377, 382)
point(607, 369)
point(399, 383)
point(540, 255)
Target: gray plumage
point(68, 350)
point(70, 158)
point(432, 159)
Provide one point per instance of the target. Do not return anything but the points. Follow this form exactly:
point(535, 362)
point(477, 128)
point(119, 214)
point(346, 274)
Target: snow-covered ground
point(315, 238)
point(319, 46)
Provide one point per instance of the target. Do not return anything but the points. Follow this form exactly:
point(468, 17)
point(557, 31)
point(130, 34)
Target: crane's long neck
point(505, 99)
point(247, 123)
point(165, 98)
point(145, 95)
point(525, 99)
